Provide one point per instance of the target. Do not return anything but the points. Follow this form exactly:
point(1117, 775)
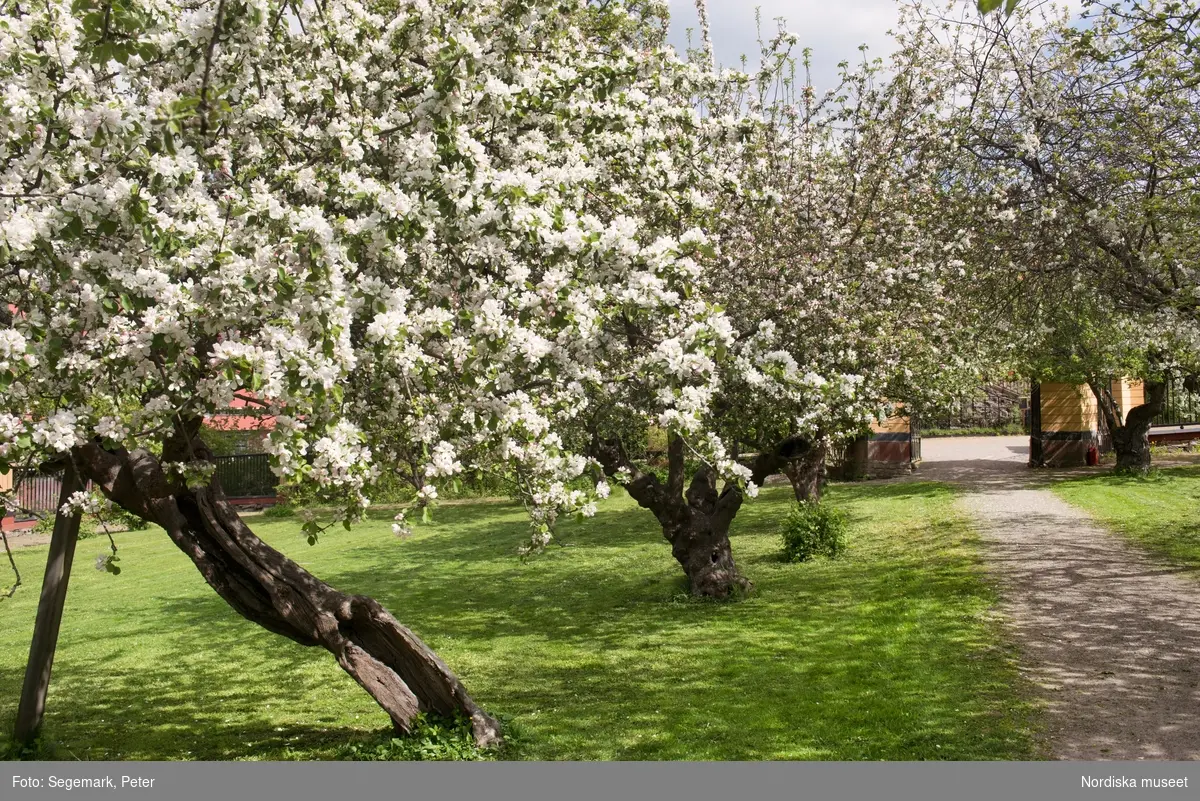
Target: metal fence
point(246, 475)
point(1181, 408)
point(996, 406)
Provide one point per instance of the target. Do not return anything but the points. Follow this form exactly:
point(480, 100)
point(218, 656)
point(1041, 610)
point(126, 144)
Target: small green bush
point(280, 510)
point(813, 529)
point(433, 738)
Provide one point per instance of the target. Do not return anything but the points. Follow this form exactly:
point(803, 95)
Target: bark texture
point(806, 472)
point(1131, 436)
point(32, 706)
point(264, 586)
point(696, 521)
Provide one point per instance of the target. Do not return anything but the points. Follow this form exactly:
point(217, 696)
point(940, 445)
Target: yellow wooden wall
point(1128, 394)
point(5, 481)
point(1072, 407)
point(1068, 407)
point(892, 425)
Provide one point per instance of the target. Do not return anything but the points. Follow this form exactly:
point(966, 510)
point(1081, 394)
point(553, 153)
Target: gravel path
point(1110, 635)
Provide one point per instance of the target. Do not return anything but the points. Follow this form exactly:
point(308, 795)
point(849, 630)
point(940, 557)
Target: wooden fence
point(242, 476)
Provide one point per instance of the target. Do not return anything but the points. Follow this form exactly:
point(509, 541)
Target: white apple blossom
point(399, 230)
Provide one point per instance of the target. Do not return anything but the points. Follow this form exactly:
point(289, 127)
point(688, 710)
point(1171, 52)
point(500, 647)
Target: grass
point(1160, 511)
point(591, 651)
point(1009, 429)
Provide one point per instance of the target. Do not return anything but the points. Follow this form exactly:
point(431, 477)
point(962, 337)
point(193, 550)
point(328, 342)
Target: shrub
point(432, 739)
point(813, 529)
point(280, 510)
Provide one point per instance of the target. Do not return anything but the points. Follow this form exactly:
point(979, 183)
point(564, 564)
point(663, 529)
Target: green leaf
point(74, 228)
point(988, 6)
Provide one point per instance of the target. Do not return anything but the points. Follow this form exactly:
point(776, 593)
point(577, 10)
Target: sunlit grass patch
point(592, 650)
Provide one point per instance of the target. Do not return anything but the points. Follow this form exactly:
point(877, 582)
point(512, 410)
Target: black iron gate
point(246, 475)
point(1182, 408)
point(998, 405)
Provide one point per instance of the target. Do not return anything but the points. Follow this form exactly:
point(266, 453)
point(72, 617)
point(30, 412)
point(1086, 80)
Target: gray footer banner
point(614, 781)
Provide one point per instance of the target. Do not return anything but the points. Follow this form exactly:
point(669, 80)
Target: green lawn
point(1160, 512)
point(591, 651)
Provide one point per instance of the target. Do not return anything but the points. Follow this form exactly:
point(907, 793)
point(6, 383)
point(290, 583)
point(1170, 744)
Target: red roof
point(232, 421)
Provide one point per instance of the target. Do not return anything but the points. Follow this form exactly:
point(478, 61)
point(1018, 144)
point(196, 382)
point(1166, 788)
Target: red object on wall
point(1093, 456)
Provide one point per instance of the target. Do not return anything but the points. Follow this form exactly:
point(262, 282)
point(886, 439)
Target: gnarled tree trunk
point(695, 523)
point(1131, 436)
point(390, 662)
point(806, 472)
point(1132, 447)
point(698, 530)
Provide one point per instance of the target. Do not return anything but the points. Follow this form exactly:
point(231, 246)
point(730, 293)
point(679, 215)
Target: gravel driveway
point(1110, 635)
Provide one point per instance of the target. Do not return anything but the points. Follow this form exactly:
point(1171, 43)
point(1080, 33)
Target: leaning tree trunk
point(806, 472)
point(1131, 436)
point(399, 671)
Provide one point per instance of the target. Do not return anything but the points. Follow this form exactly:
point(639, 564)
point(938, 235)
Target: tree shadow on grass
point(593, 649)
point(1112, 478)
point(623, 619)
point(212, 686)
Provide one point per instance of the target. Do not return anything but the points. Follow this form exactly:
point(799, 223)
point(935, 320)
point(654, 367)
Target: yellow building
point(1071, 421)
point(890, 448)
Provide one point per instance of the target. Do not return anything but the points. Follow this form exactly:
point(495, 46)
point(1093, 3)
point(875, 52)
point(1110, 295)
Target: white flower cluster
point(432, 238)
point(57, 434)
point(12, 350)
point(81, 503)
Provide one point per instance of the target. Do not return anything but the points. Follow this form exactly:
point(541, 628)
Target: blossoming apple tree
point(407, 229)
point(1081, 140)
point(832, 268)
